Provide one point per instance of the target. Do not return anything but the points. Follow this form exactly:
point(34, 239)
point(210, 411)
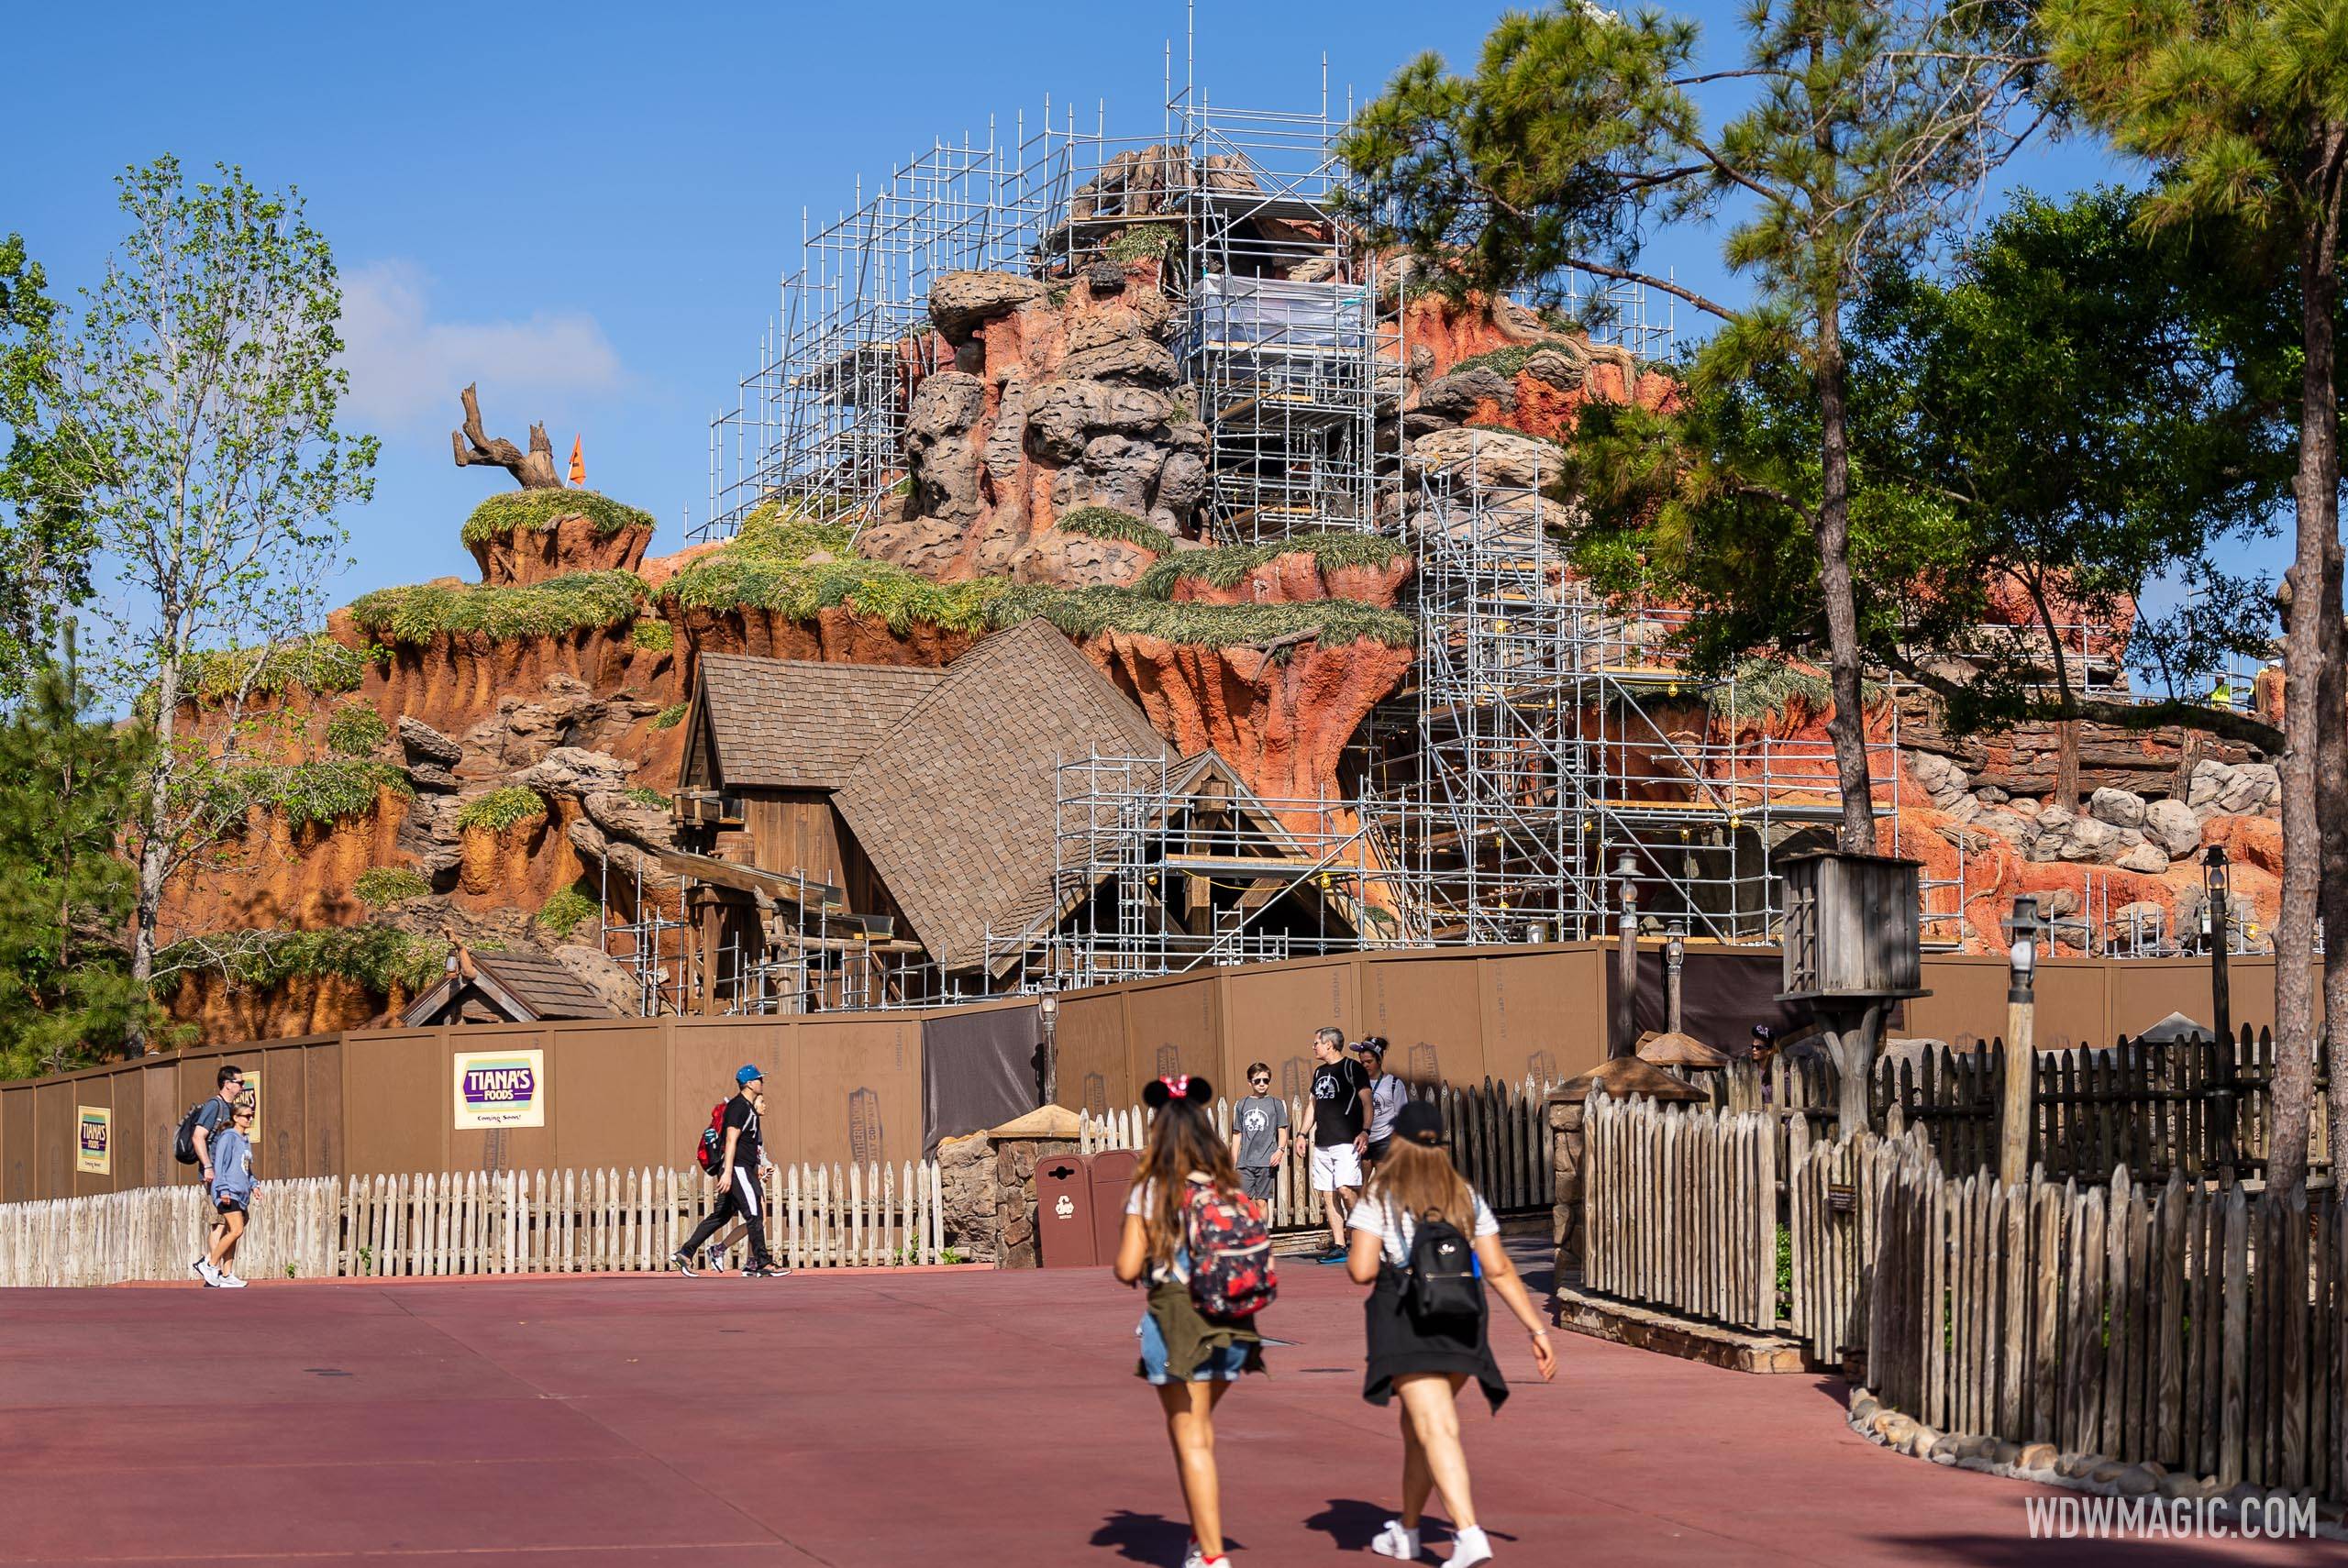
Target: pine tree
point(67, 783)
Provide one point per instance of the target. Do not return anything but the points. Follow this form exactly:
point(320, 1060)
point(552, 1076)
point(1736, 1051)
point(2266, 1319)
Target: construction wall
point(848, 1086)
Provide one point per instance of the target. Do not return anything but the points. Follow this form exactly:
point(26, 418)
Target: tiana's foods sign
point(501, 1089)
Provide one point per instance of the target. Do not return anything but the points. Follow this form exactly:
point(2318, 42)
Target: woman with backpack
point(1198, 1333)
point(1427, 1242)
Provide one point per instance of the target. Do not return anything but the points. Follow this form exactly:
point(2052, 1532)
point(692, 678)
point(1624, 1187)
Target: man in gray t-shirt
point(1257, 1125)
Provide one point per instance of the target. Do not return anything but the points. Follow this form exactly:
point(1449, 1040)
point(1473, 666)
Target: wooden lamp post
point(2218, 926)
point(2021, 1060)
point(1626, 964)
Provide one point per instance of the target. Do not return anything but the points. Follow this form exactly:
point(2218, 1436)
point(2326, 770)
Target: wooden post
point(2020, 1065)
point(1626, 971)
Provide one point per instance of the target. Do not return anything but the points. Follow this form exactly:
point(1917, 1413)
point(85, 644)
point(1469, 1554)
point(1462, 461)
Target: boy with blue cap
point(739, 1195)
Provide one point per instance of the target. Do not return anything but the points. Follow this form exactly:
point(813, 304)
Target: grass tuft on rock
point(580, 600)
point(645, 795)
point(1109, 522)
point(511, 511)
point(1330, 549)
point(502, 809)
point(318, 664)
point(653, 636)
point(355, 729)
point(326, 790)
point(562, 914)
point(1090, 612)
point(380, 886)
point(377, 956)
point(788, 566)
point(670, 717)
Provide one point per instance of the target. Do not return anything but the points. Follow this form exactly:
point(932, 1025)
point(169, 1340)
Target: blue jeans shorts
point(1222, 1365)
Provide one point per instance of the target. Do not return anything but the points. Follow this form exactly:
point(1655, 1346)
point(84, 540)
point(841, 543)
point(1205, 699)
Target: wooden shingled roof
point(787, 723)
point(957, 806)
point(520, 987)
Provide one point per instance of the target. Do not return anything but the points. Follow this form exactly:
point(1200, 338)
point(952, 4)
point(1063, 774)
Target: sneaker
point(766, 1271)
point(207, 1273)
point(1194, 1557)
point(1334, 1255)
point(683, 1265)
point(230, 1282)
point(1469, 1546)
point(1395, 1541)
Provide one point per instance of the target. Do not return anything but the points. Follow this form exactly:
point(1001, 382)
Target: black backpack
point(184, 1143)
point(1441, 1285)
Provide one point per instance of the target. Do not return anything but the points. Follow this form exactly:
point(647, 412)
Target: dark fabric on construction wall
point(1722, 997)
point(978, 1070)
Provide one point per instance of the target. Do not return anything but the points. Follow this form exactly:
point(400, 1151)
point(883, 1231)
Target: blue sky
point(586, 208)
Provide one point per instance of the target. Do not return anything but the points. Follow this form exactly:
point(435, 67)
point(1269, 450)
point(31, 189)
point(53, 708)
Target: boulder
point(1459, 394)
point(575, 771)
point(604, 974)
point(421, 739)
point(2172, 826)
point(2252, 786)
point(2010, 825)
point(1486, 459)
point(1557, 370)
point(2037, 1456)
point(2121, 808)
point(1134, 361)
point(432, 776)
point(1067, 413)
point(428, 835)
point(611, 810)
point(2147, 858)
point(1941, 778)
point(961, 302)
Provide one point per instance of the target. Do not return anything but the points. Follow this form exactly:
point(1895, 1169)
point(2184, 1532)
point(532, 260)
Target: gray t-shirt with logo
point(1260, 1120)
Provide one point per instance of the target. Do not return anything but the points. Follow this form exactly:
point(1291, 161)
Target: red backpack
point(711, 1151)
point(1230, 1252)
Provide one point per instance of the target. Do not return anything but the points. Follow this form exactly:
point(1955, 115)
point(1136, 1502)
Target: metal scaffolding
point(1544, 734)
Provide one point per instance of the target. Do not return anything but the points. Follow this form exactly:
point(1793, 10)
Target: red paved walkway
point(873, 1420)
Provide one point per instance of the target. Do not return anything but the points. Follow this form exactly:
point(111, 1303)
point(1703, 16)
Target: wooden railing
point(1496, 1134)
point(1680, 1210)
point(2205, 1328)
point(2152, 1107)
point(474, 1222)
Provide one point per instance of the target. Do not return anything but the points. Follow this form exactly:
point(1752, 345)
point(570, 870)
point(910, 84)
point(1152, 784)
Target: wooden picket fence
point(2151, 1107)
point(1680, 1210)
point(475, 1222)
point(2203, 1327)
point(1498, 1134)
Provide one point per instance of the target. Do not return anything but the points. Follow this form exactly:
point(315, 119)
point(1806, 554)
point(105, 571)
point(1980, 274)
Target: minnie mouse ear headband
point(1180, 1086)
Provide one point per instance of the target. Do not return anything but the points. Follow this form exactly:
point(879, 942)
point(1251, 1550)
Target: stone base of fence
point(2095, 1473)
point(1670, 1334)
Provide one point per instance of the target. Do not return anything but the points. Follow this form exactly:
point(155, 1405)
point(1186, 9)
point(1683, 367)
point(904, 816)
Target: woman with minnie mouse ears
point(1192, 1359)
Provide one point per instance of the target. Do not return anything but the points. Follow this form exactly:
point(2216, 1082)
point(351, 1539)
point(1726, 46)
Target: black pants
point(741, 1200)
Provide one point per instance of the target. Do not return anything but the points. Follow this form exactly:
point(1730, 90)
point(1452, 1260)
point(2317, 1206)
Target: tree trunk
point(154, 833)
point(2067, 764)
point(1848, 727)
point(2306, 640)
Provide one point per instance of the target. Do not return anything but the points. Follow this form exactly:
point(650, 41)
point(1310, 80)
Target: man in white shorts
point(1334, 1126)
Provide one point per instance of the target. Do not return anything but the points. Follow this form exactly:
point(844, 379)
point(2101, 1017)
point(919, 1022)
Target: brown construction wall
point(844, 1088)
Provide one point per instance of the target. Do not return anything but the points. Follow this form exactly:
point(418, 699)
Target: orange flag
point(578, 465)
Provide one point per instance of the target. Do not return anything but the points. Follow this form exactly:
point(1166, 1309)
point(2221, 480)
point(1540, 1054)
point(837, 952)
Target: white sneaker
point(1195, 1556)
point(207, 1273)
point(1469, 1546)
point(230, 1282)
point(1395, 1541)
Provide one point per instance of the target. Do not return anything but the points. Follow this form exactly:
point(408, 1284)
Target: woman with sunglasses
point(232, 1193)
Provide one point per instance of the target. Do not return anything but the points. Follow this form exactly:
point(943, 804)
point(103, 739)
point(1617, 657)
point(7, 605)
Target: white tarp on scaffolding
point(1244, 313)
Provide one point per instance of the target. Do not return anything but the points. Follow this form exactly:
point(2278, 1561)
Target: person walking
point(231, 1190)
point(739, 1195)
point(1258, 1132)
point(714, 1254)
point(1413, 1234)
point(1388, 1095)
point(1190, 1359)
point(1333, 1131)
point(206, 1124)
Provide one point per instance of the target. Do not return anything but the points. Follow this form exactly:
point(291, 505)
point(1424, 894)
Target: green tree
point(2242, 105)
point(2079, 411)
point(66, 996)
point(191, 421)
point(44, 548)
point(1868, 119)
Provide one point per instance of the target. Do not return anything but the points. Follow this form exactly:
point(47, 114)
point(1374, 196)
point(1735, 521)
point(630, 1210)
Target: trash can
point(1064, 1212)
point(1113, 1177)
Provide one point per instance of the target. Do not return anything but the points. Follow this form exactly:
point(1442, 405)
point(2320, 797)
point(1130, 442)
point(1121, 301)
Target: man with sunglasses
point(1259, 1129)
point(211, 1120)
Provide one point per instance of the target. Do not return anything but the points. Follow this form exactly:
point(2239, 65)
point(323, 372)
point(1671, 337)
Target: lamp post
point(1048, 1008)
point(1675, 954)
point(1627, 962)
point(2021, 1048)
point(2218, 921)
